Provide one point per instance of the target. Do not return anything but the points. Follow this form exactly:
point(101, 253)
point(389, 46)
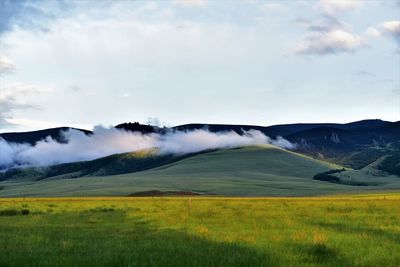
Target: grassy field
point(354, 230)
point(249, 171)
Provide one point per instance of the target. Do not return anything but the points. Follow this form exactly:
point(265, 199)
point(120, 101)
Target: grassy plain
point(348, 230)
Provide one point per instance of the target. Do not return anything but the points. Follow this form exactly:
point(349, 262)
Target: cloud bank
point(9, 100)
point(332, 42)
point(392, 28)
point(108, 141)
point(336, 6)
point(6, 65)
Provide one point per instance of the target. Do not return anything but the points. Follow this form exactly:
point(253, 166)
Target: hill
point(344, 145)
point(110, 165)
point(354, 145)
point(35, 136)
point(249, 171)
point(285, 129)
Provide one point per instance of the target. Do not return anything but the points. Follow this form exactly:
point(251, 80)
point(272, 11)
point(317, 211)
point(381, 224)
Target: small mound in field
point(153, 193)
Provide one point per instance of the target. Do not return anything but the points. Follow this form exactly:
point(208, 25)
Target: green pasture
point(350, 230)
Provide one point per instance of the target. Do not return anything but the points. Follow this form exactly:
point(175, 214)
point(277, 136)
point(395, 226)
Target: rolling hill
point(354, 144)
point(249, 171)
point(35, 136)
point(370, 147)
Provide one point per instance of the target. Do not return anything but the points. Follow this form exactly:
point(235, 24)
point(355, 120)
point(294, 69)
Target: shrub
point(14, 212)
point(101, 209)
point(9, 212)
point(25, 212)
point(328, 177)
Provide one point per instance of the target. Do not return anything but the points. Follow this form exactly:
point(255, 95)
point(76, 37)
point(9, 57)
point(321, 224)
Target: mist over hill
point(355, 145)
point(72, 145)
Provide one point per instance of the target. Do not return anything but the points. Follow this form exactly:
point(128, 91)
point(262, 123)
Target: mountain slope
point(110, 165)
point(285, 129)
point(249, 171)
point(332, 142)
point(35, 136)
point(354, 144)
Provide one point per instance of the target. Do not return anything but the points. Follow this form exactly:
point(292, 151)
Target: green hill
point(250, 171)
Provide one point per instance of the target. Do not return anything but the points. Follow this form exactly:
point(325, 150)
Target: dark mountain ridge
point(354, 144)
point(33, 137)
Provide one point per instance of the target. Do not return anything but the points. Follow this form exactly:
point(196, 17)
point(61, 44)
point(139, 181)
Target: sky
point(85, 63)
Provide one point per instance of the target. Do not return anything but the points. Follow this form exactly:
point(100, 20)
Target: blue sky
point(83, 63)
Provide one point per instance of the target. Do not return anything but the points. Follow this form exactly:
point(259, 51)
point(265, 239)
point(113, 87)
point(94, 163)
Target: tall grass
point(196, 231)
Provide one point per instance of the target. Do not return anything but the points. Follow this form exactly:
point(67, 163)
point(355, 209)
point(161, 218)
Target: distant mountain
point(354, 144)
point(35, 136)
point(270, 131)
point(283, 129)
point(370, 147)
point(137, 127)
point(263, 170)
point(55, 133)
point(249, 171)
point(297, 127)
point(333, 140)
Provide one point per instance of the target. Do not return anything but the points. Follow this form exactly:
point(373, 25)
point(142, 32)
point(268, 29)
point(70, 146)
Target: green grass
point(250, 171)
point(358, 230)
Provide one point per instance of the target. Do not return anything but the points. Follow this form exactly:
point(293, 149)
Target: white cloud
point(104, 142)
point(6, 65)
point(126, 40)
point(190, 3)
point(9, 100)
point(149, 6)
point(332, 42)
point(33, 124)
point(20, 89)
point(332, 7)
point(272, 6)
point(392, 28)
point(372, 32)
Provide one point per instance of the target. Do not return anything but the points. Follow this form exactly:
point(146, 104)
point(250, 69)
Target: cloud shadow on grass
point(111, 239)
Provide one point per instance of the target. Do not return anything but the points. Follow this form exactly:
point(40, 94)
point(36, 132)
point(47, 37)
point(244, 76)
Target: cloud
point(37, 124)
point(332, 42)
point(190, 3)
point(25, 14)
point(364, 73)
point(372, 32)
point(272, 6)
point(325, 24)
point(6, 65)
point(332, 7)
point(108, 141)
point(9, 152)
point(392, 28)
point(327, 34)
point(9, 100)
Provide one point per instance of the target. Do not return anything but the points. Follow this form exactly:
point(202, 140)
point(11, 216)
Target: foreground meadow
point(362, 230)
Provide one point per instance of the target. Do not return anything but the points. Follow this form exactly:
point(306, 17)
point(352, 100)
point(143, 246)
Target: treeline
point(330, 178)
point(137, 127)
point(391, 164)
